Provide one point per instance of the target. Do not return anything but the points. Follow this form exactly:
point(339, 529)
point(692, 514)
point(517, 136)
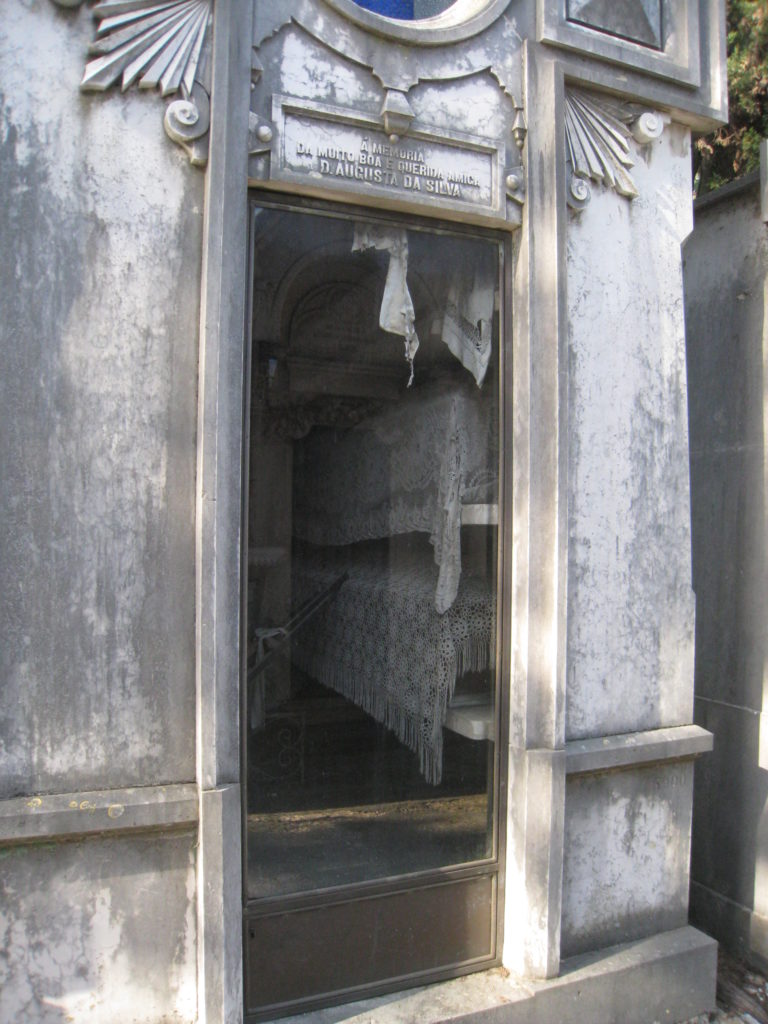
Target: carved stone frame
point(535, 664)
point(219, 519)
point(460, 21)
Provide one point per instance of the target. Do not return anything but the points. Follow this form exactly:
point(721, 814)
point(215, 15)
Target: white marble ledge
point(64, 816)
point(634, 749)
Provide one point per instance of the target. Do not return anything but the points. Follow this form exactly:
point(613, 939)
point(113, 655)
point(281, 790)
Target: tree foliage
point(734, 149)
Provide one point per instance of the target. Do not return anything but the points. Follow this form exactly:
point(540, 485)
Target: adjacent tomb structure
point(380, 674)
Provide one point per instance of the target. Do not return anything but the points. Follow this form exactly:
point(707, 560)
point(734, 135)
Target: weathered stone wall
point(101, 226)
point(726, 281)
point(100, 272)
point(630, 605)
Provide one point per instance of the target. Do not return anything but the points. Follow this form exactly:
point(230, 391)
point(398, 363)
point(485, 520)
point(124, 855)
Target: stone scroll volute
point(161, 46)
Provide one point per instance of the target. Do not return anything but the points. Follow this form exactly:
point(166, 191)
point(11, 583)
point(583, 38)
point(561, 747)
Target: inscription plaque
point(354, 153)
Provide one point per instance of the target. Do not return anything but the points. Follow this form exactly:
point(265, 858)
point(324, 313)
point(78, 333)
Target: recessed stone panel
point(627, 844)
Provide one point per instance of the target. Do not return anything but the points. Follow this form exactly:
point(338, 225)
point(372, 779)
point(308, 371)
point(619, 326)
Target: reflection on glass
point(637, 20)
point(372, 551)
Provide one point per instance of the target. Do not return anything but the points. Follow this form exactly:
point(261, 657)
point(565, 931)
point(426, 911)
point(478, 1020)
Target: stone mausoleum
point(347, 621)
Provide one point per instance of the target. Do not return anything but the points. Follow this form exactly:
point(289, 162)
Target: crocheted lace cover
point(382, 644)
point(405, 470)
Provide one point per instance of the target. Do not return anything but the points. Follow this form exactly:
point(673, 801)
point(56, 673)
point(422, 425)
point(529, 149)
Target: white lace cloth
point(381, 644)
point(406, 470)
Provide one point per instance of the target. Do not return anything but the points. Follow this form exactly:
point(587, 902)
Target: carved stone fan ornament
point(597, 134)
point(156, 44)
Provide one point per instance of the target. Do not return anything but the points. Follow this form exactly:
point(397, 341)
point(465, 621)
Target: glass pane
point(637, 20)
point(372, 550)
point(406, 10)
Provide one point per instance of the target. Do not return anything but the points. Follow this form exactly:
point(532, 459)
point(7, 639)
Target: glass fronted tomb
point(371, 725)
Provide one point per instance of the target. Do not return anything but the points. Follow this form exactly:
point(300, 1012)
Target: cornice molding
point(156, 44)
point(598, 134)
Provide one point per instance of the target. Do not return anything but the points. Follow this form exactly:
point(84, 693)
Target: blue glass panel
point(402, 9)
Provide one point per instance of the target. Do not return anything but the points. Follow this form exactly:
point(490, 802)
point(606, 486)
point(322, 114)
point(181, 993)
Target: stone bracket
point(396, 114)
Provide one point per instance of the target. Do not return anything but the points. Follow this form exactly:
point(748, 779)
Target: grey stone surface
point(535, 532)
point(459, 21)
point(74, 815)
point(331, 75)
point(726, 269)
point(99, 269)
point(692, 53)
point(640, 21)
point(101, 931)
point(100, 349)
point(715, 914)
point(729, 566)
point(630, 605)
point(627, 848)
point(219, 907)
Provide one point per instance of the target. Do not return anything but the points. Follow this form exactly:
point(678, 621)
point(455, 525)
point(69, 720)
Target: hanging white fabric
point(468, 315)
point(397, 314)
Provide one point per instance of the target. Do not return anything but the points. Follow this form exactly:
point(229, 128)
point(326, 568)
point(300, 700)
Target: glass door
point(371, 702)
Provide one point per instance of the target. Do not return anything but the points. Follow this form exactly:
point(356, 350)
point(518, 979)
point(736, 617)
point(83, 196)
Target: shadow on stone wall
point(726, 281)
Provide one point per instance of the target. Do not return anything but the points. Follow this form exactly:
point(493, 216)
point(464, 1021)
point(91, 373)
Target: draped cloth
point(396, 315)
point(405, 470)
point(382, 644)
point(467, 321)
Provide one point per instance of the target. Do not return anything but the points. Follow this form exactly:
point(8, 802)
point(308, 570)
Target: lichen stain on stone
point(41, 278)
point(626, 842)
point(308, 69)
point(474, 104)
point(628, 540)
point(100, 337)
point(88, 930)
